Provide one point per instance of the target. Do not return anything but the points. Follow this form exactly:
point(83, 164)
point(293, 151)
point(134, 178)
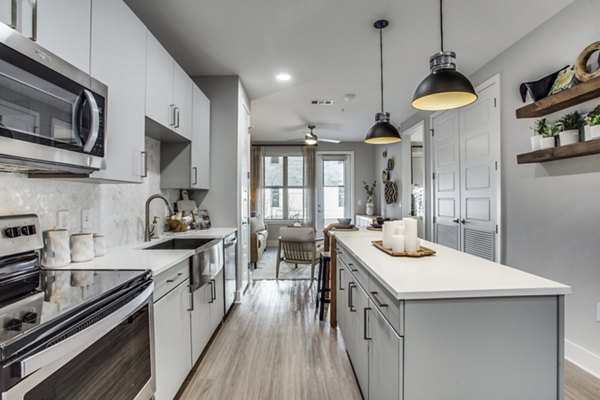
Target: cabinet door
point(201, 331)
point(182, 99)
point(200, 140)
point(6, 12)
point(341, 305)
point(63, 27)
point(385, 358)
point(360, 359)
point(172, 341)
point(159, 83)
point(217, 309)
point(118, 35)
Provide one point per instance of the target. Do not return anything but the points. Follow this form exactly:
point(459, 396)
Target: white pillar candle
point(389, 230)
point(410, 235)
point(398, 243)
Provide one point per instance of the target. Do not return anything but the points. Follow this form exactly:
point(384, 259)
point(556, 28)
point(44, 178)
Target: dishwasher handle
point(230, 241)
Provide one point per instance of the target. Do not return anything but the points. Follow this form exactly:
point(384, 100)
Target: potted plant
point(592, 121)
point(548, 130)
point(370, 207)
point(540, 126)
point(570, 125)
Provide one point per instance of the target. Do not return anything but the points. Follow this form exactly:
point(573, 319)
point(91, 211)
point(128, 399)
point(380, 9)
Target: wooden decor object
point(581, 64)
point(423, 251)
point(560, 152)
point(567, 98)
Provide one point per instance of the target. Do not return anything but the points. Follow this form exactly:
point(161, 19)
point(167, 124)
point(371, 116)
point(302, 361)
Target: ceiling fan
point(311, 138)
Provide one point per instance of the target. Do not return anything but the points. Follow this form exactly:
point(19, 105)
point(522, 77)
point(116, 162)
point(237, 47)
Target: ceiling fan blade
point(329, 140)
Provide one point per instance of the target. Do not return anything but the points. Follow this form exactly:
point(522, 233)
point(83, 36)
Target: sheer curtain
point(310, 166)
point(256, 179)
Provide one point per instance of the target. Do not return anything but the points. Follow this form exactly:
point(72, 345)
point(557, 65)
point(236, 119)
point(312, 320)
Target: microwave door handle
point(95, 128)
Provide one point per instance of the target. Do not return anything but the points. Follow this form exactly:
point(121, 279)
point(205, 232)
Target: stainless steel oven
point(52, 115)
point(71, 334)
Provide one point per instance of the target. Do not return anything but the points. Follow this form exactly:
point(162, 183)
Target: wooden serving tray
point(344, 229)
point(423, 251)
point(370, 228)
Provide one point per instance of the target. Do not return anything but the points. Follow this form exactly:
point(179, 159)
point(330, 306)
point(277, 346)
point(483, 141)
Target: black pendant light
point(445, 88)
point(310, 138)
point(382, 132)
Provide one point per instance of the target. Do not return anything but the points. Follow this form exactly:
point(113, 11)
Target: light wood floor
point(273, 346)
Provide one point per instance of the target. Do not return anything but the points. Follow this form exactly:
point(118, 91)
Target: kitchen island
point(450, 326)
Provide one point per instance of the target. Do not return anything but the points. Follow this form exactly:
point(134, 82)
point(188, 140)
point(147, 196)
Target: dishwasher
point(230, 251)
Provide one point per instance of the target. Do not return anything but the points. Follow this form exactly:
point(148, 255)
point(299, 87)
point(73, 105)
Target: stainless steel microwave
point(52, 115)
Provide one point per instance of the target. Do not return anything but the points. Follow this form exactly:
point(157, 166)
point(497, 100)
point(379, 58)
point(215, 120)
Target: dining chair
point(298, 245)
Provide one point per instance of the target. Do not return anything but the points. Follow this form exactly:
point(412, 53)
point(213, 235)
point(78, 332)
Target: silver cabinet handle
point(195, 175)
point(34, 20)
point(13, 14)
point(175, 278)
point(214, 290)
point(365, 322)
point(379, 303)
point(341, 285)
point(352, 269)
point(145, 162)
point(211, 292)
point(172, 112)
point(176, 117)
point(191, 298)
point(95, 128)
point(351, 286)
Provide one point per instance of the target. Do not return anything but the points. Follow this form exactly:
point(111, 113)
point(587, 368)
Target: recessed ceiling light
point(284, 76)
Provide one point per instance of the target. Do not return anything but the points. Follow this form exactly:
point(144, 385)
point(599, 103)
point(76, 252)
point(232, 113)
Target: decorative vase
point(595, 132)
point(547, 142)
point(568, 137)
point(370, 207)
point(535, 142)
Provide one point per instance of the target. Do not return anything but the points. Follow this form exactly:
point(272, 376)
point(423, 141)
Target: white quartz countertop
point(132, 255)
point(448, 274)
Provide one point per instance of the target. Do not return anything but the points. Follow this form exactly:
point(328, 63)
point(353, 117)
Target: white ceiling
point(331, 48)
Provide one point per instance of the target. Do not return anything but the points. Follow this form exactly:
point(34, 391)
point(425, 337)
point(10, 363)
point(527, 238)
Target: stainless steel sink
point(179, 244)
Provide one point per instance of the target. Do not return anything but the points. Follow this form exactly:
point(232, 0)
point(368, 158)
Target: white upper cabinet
point(200, 141)
point(159, 83)
point(182, 99)
point(119, 60)
point(61, 26)
point(168, 94)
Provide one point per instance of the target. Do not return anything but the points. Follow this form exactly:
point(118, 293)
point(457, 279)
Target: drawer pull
point(341, 285)
point(379, 303)
point(211, 292)
point(351, 285)
point(175, 278)
point(365, 322)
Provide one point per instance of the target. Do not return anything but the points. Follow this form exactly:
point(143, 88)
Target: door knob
point(456, 220)
point(463, 221)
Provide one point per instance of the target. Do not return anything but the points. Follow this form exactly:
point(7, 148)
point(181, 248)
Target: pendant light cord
point(441, 25)
point(381, 63)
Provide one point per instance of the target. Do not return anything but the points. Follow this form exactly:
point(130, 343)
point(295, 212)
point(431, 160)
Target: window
point(284, 187)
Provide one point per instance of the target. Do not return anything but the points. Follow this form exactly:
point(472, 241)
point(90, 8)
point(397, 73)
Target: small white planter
point(535, 142)
point(568, 137)
point(547, 142)
point(594, 132)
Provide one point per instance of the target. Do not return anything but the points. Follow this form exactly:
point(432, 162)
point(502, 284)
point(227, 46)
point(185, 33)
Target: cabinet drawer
point(391, 308)
point(170, 279)
point(357, 270)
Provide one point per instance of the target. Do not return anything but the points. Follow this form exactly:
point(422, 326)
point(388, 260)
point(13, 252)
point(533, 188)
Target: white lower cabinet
point(201, 330)
point(360, 352)
point(385, 357)
point(172, 341)
point(217, 310)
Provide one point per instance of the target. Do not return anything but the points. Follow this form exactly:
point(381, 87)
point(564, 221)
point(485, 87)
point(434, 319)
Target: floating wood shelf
point(561, 152)
point(567, 98)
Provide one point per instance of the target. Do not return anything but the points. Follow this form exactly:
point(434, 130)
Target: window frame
point(284, 188)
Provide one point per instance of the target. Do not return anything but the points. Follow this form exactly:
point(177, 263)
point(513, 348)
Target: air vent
point(322, 102)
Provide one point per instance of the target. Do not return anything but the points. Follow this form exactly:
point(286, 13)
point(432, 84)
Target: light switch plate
point(86, 220)
point(63, 219)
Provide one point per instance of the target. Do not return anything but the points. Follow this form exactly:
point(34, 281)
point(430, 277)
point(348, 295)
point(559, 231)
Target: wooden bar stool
point(323, 283)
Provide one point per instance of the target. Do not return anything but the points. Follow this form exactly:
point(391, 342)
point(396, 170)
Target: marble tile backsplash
point(117, 210)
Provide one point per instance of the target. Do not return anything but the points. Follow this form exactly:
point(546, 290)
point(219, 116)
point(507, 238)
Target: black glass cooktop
point(60, 295)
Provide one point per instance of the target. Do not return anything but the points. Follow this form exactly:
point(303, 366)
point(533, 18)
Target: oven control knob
point(13, 324)
point(12, 232)
point(30, 317)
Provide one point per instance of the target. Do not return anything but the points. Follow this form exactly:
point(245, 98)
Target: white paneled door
point(466, 174)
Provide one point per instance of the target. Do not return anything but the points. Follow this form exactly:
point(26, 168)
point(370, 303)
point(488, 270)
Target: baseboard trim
point(583, 358)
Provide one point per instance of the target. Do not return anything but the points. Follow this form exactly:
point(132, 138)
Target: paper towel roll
point(410, 235)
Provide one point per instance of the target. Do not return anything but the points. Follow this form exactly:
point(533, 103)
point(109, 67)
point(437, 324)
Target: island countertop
point(448, 274)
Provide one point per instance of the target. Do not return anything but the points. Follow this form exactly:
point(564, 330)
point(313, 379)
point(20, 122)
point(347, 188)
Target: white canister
point(99, 245)
point(56, 252)
point(82, 247)
point(547, 142)
point(410, 235)
point(535, 142)
point(568, 137)
point(595, 132)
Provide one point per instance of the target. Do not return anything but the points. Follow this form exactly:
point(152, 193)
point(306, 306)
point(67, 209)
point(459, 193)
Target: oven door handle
point(95, 124)
point(74, 345)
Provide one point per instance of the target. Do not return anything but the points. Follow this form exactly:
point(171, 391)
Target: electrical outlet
point(360, 202)
point(598, 312)
point(86, 220)
point(63, 219)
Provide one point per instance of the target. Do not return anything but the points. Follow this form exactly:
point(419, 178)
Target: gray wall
point(364, 159)
point(221, 199)
point(551, 211)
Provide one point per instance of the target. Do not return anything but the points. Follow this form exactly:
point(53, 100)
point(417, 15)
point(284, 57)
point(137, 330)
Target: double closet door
point(466, 179)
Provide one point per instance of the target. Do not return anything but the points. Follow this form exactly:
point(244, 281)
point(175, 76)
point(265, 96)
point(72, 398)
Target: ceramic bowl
point(344, 221)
